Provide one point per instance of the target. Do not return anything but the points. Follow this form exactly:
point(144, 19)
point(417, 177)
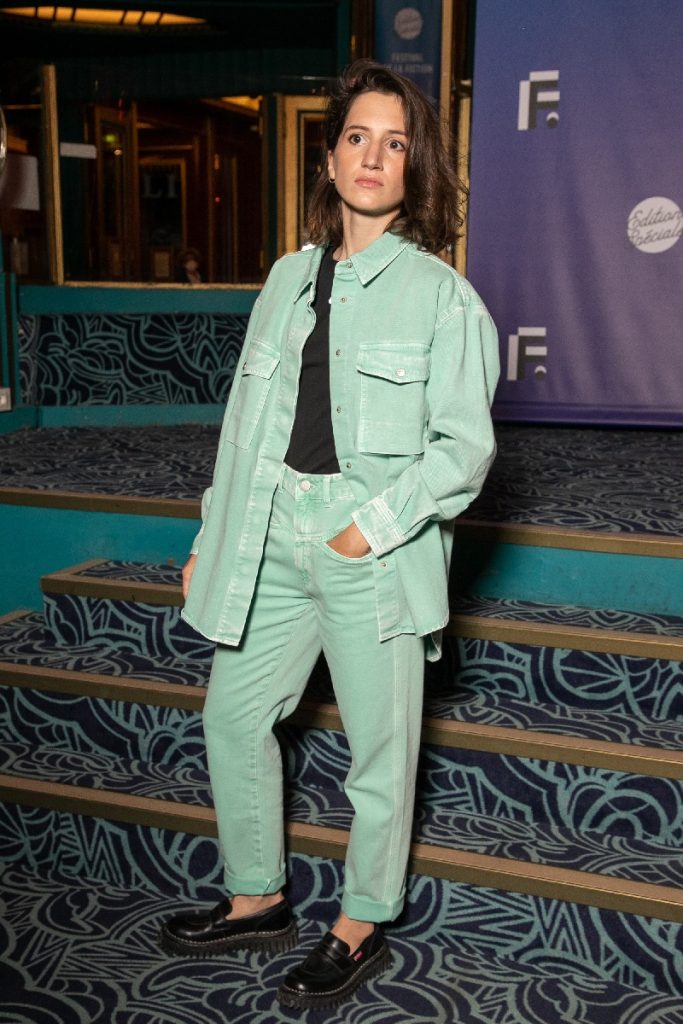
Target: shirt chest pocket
point(393, 403)
point(252, 391)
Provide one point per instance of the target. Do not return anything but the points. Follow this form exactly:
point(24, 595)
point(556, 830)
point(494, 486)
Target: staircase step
point(27, 646)
point(600, 630)
point(608, 631)
point(435, 976)
point(642, 687)
point(608, 660)
point(446, 838)
point(481, 722)
point(593, 889)
point(131, 604)
point(511, 789)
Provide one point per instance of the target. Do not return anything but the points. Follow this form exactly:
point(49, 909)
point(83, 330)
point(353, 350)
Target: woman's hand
point(188, 569)
point(350, 543)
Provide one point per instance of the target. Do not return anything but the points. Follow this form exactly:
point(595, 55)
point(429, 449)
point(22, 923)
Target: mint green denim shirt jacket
point(413, 368)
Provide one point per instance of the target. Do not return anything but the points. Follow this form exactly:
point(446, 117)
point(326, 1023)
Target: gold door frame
point(293, 111)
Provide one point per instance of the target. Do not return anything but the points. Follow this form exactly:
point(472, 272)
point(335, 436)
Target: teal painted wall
point(36, 299)
point(593, 579)
point(42, 540)
point(127, 415)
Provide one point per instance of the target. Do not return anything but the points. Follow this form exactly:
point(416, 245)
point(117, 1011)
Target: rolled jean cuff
point(362, 909)
point(237, 886)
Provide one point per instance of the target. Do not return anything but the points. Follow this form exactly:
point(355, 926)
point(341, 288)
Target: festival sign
point(575, 220)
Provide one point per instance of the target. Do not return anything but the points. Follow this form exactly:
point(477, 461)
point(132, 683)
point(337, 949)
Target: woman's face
point(368, 161)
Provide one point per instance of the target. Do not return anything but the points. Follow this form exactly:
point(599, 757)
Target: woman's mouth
point(368, 182)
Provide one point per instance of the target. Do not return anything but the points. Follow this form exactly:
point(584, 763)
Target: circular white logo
point(408, 23)
point(655, 224)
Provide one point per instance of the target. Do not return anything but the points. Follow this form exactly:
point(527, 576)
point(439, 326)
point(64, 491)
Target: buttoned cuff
point(379, 526)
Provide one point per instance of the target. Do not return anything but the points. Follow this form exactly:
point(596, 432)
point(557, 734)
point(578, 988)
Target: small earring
point(331, 181)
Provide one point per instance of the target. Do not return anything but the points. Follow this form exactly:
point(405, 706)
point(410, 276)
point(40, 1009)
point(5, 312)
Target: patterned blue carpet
point(475, 694)
point(593, 479)
point(570, 816)
point(74, 952)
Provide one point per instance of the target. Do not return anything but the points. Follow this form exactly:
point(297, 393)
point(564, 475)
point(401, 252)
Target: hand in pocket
point(350, 543)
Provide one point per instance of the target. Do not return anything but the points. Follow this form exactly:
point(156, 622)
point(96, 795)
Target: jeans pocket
point(344, 559)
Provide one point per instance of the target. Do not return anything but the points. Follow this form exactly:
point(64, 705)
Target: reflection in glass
point(166, 178)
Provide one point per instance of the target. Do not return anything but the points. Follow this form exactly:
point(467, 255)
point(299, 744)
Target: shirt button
point(339, 408)
point(400, 372)
point(348, 465)
point(343, 299)
point(338, 352)
point(383, 564)
point(305, 485)
point(348, 263)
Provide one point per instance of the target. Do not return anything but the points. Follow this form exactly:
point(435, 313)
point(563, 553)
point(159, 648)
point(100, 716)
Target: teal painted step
point(127, 415)
point(43, 540)
point(556, 575)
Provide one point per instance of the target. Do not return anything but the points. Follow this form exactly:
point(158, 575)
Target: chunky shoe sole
point(376, 965)
point(270, 942)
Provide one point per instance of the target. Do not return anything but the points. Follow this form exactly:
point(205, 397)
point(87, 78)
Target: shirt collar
point(368, 263)
point(312, 266)
point(372, 261)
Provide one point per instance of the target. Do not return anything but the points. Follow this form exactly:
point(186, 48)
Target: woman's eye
point(398, 146)
point(355, 138)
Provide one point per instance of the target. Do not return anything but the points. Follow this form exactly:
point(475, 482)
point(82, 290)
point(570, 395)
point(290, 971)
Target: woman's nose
point(372, 156)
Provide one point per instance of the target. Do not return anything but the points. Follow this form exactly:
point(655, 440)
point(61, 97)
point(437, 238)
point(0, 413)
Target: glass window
point(162, 192)
point(22, 214)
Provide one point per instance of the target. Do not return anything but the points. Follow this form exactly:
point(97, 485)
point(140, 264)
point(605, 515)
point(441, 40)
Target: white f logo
point(527, 346)
point(535, 94)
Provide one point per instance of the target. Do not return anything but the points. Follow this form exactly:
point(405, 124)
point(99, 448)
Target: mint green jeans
point(309, 598)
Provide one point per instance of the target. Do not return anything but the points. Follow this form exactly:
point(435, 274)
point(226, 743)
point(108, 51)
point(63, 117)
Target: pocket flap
point(261, 359)
point(402, 366)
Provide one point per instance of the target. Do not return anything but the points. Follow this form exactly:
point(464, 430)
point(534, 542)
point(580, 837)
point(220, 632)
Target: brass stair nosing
point(588, 888)
point(524, 534)
point(533, 535)
point(494, 739)
point(103, 687)
point(581, 638)
point(166, 594)
point(18, 613)
point(94, 501)
point(545, 746)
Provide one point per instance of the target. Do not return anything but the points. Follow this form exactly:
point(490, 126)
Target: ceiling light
point(102, 16)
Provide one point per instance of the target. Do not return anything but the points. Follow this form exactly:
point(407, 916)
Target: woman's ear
point(330, 165)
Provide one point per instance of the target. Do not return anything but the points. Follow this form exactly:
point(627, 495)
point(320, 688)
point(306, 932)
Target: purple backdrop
point(575, 216)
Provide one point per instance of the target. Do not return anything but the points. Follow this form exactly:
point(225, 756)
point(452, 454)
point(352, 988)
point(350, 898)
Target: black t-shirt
point(311, 446)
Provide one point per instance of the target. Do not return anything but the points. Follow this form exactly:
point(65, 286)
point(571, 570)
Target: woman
point(358, 426)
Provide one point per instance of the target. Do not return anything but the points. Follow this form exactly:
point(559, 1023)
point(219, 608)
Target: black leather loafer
point(209, 933)
point(331, 973)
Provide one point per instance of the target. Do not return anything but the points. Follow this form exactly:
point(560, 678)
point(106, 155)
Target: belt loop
point(327, 479)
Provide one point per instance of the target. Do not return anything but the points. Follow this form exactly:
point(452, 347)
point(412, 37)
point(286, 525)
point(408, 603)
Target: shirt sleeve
point(460, 447)
point(206, 497)
point(206, 501)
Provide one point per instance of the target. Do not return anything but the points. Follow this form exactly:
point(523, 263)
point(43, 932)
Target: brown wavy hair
point(434, 195)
